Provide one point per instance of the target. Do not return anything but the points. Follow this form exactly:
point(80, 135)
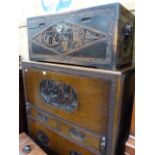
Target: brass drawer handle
point(76, 134)
point(127, 36)
point(41, 24)
point(42, 138)
point(85, 19)
point(74, 153)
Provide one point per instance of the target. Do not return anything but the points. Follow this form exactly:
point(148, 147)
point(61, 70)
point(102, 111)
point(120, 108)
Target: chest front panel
point(75, 98)
point(93, 37)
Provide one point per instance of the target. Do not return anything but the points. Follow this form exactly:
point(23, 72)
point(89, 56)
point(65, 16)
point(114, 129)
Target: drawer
point(52, 143)
point(43, 117)
point(80, 135)
point(69, 130)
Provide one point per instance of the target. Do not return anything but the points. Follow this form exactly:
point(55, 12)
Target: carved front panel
point(71, 94)
point(87, 37)
point(65, 37)
point(59, 95)
point(73, 37)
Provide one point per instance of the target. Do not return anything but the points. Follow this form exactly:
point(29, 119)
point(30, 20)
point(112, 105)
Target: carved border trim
point(70, 71)
point(110, 117)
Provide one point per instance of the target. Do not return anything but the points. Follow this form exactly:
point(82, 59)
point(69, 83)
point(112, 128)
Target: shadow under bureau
point(77, 110)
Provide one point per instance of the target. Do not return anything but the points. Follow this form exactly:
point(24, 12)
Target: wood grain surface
point(92, 96)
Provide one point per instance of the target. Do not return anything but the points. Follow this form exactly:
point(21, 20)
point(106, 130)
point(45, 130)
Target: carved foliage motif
point(59, 95)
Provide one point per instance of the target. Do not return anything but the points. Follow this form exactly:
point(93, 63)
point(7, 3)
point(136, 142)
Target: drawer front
point(53, 143)
point(74, 98)
point(81, 136)
point(43, 117)
point(69, 130)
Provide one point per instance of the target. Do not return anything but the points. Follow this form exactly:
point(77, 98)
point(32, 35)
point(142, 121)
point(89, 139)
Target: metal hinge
point(103, 144)
point(28, 108)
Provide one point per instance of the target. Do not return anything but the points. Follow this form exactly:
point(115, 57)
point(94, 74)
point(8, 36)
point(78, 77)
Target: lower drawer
point(81, 136)
point(52, 143)
point(71, 131)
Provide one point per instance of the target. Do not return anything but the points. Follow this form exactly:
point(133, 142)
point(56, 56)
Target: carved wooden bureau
point(75, 110)
point(100, 36)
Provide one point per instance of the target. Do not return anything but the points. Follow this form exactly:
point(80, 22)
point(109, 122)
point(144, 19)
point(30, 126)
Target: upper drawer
point(80, 135)
point(52, 122)
point(82, 100)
